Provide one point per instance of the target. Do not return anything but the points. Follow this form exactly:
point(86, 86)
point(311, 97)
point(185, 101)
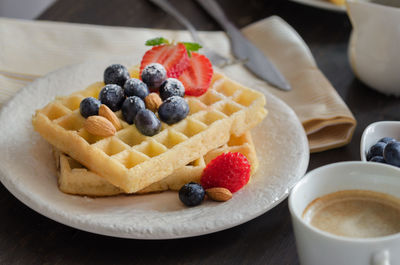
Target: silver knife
point(244, 50)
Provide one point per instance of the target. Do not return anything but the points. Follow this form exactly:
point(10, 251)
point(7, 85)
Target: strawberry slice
point(173, 57)
point(197, 77)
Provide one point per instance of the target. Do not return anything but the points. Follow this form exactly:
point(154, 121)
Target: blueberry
point(113, 96)
point(375, 150)
point(173, 110)
point(391, 153)
point(378, 159)
point(135, 87)
point(147, 123)
point(191, 194)
point(131, 107)
point(153, 75)
point(116, 74)
point(171, 87)
point(89, 107)
point(387, 140)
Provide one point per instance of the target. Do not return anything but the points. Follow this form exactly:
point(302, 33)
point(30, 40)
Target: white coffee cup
point(317, 247)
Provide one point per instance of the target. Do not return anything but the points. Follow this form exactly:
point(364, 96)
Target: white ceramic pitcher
point(374, 49)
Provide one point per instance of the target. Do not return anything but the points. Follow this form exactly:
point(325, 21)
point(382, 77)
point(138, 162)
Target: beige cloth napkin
point(29, 49)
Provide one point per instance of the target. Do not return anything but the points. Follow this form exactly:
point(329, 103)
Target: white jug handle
point(381, 258)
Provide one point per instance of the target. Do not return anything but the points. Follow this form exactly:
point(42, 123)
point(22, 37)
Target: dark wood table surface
point(27, 237)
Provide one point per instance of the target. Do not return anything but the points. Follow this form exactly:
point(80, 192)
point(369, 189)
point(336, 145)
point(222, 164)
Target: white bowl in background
point(376, 131)
point(374, 43)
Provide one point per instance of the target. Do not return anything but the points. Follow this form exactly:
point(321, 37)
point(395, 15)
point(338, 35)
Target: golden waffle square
point(132, 161)
point(73, 178)
point(338, 2)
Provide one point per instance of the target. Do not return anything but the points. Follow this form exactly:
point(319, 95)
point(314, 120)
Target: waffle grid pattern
point(73, 178)
point(132, 161)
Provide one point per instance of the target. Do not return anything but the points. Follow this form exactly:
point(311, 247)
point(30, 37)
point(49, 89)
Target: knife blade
point(244, 50)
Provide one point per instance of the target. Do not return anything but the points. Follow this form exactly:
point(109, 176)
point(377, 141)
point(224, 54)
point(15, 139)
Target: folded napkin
point(29, 49)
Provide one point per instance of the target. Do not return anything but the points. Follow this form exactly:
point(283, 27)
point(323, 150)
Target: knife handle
point(212, 7)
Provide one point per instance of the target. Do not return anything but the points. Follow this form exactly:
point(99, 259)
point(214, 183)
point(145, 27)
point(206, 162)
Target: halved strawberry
point(197, 77)
point(173, 57)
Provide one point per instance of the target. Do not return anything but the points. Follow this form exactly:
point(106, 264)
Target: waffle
point(338, 2)
point(132, 161)
point(73, 178)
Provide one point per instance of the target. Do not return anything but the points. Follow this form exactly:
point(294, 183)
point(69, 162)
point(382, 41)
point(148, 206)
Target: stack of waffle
point(129, 162)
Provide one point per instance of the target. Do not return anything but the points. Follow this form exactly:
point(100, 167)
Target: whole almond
point(219, 194)
point(153, 101)
point(107, 113)
point(99, 126)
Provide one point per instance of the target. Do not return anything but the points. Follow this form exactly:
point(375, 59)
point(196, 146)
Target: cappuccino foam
point(355, 213)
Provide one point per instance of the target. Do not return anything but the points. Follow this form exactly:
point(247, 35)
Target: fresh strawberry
point(229, 170)
point(197, 77)
point(173, 57)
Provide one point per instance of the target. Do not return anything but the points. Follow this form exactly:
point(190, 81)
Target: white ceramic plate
point(322, 4)
point(27, 170)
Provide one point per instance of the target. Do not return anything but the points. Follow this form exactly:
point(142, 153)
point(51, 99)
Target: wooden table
point(30, 238)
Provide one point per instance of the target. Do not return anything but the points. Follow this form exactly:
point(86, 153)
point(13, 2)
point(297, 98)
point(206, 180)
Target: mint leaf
point(192, 47)
point(156, 41)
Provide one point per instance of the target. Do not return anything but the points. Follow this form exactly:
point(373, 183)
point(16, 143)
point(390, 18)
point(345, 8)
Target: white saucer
point(27, 170)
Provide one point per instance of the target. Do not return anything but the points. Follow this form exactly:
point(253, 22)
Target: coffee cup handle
point(381, 258)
